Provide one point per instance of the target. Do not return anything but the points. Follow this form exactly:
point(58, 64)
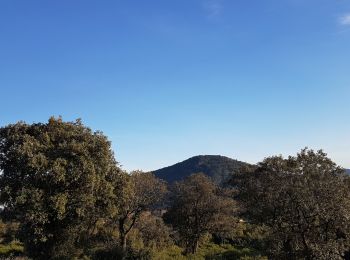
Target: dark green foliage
point(117, 253)
point(210, 251)
point(198, 206)
point(8, 231)
point(107, 254)
point(63, 196)
point(219, 168)
point(57, 182)
point(154, 234)
point(141, 192)
point(304, 201)
point(9, 247)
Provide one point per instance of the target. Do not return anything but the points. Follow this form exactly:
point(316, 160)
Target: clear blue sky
point(169, 79)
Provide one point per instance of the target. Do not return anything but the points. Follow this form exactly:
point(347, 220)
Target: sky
point(169, 79)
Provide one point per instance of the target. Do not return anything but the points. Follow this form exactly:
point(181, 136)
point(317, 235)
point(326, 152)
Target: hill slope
point(216, 166)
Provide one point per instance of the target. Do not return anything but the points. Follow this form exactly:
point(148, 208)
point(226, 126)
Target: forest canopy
point(65, 196)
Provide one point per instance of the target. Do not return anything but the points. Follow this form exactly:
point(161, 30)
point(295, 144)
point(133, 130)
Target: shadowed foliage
point(217, 167)
point(304, 201)
point(198, 206)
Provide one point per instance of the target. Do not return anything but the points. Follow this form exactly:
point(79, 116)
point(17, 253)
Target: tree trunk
point(307, 251)
point(123, 242)
point(122, 237)
point(195, 246)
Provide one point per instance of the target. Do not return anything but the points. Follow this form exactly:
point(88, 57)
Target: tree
point(198, 206)
point(154, 233)
point(57, 181)
point(305, 203)
point(141, 192)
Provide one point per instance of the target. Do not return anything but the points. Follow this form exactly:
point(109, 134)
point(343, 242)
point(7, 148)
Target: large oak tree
point(57, 179)
point(304, 201)
point(198, 206)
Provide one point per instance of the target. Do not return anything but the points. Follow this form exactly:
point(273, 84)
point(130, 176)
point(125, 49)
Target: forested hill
point(216, 166)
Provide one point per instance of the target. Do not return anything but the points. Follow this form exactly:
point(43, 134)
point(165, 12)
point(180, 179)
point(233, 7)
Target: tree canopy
point(141, 191)
point(64, 196)
point(198, 206)
point(57, 180)
point(305, 203)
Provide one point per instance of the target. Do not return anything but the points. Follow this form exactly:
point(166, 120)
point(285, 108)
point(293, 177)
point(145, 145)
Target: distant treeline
point(64, 196)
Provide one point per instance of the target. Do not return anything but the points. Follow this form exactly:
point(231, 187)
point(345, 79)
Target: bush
point(106, 254)
point(210, 251)
point(12, 249)
point(172, 252)
point(8, 231)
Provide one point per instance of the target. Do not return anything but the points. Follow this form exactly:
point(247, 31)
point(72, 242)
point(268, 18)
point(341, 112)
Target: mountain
point(216, 166)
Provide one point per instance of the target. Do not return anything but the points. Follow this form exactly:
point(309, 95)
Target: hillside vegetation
point(64, 196)
point(218, 168)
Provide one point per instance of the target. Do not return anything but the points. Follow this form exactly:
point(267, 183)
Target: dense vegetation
point(304, 203)
point(218, 168)
point(64, 196)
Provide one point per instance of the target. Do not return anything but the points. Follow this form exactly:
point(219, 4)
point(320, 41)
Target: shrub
point(12, 249)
